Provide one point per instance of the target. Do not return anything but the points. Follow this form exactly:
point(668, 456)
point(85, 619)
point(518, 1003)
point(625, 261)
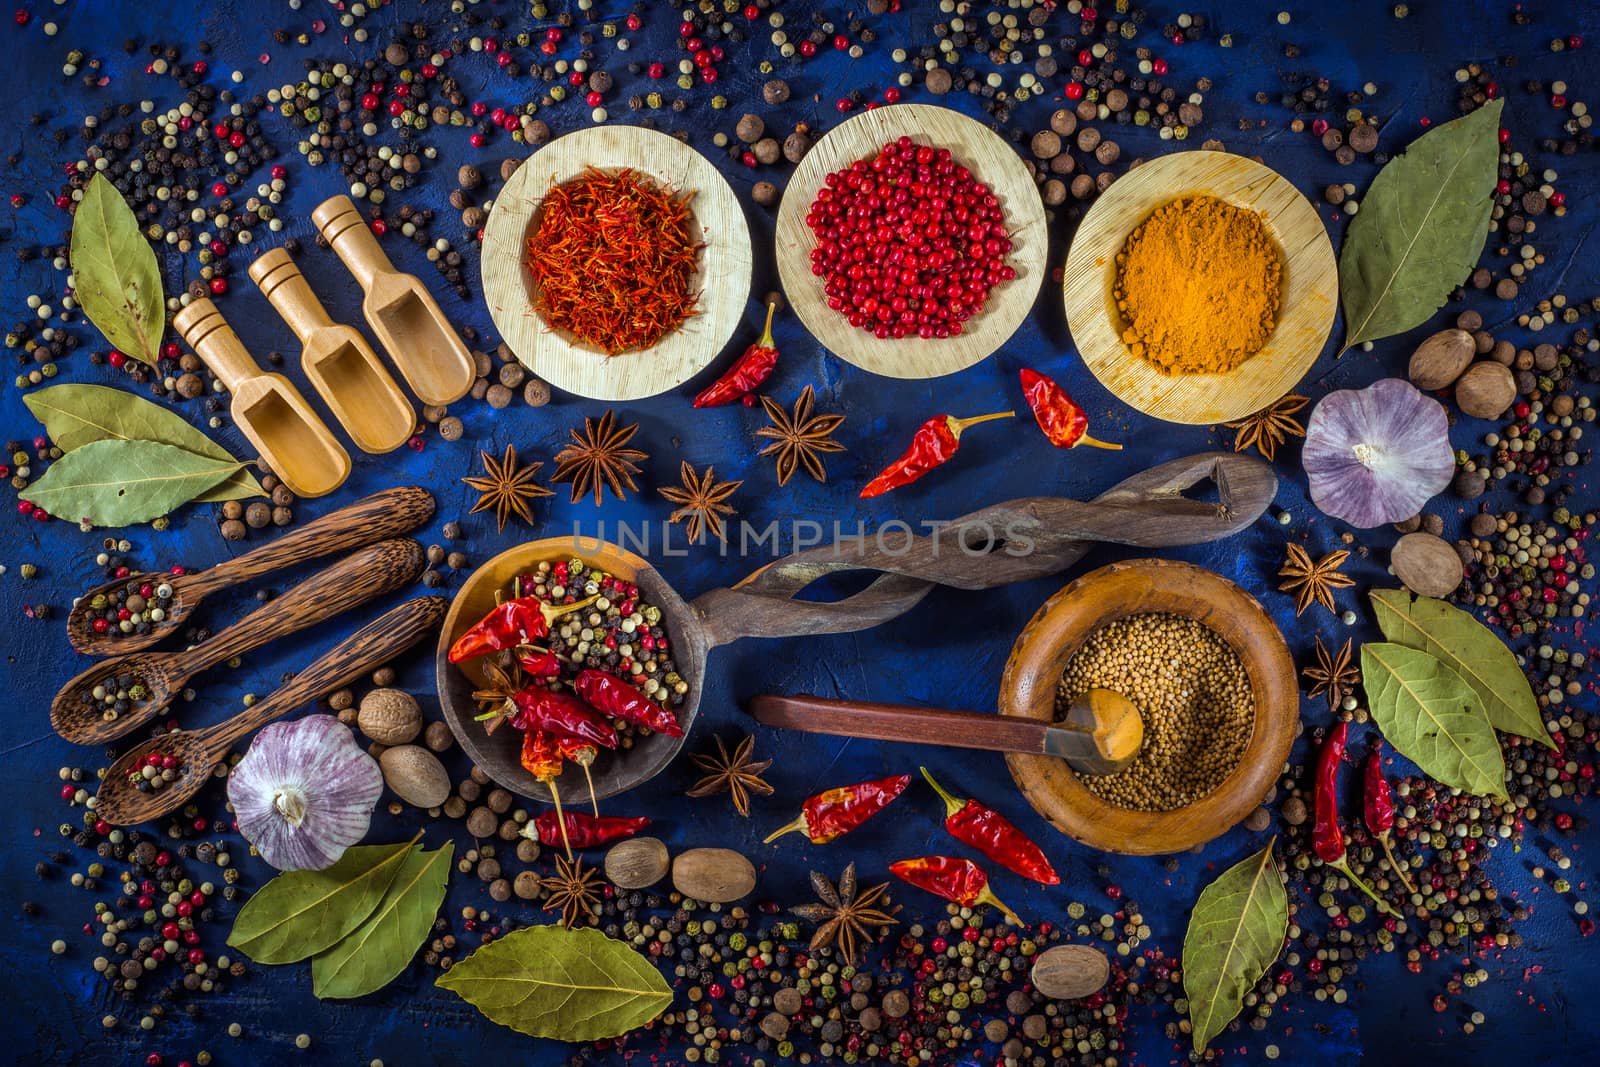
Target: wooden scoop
point(400, 310)
point(382, 515)
point(354, 580)
point(196, 752)
point(337, 359)
point(286, 433)
point(1100, 735)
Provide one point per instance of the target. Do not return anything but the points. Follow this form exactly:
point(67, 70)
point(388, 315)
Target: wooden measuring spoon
point(337, 360)
point(399, 309)
point(382, 515)
point(121, 803)
point(1100, 735)
point(353, 580)
point(286, 433)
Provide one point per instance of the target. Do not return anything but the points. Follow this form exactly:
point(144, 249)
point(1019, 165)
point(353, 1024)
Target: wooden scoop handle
point(373, 645)
point(286, 289)
point(380, 516)
point(204, 329)
point(341, 223)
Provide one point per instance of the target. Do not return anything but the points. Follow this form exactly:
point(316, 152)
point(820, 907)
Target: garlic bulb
point(1376, 455)
point(304, 792)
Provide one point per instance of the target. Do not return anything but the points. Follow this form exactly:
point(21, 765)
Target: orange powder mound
point(1198, 286)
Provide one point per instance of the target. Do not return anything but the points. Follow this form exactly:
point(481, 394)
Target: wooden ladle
point(270, 411)
point(399, 308)
point(1101, 733)
point(121, 803)
point(382, 515)
point(338, 362)
point(352, 581)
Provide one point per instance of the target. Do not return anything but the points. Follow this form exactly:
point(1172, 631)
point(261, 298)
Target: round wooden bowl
point(993, 161)
point(500, 753)
point(723, 277)
point(1310, 288)
point(1059, 629)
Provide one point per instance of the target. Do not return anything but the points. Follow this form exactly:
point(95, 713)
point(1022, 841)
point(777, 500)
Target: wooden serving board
point(992, 161)
point(723, 278)
point(1310, 287)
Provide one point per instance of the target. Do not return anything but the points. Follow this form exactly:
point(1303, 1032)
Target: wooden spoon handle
point(896, 722)
point(373, 645)
point(354, 580)
point(376, 518)
point(286, 289)
point(341, 223)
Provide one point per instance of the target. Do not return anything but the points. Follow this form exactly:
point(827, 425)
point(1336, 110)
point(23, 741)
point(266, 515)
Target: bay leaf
point(374, 953)
point(1235, 933)
point(118, 483)
point(1432, 717)
point(75, 415)
point(300, 913)
point(1469, 648)
point(569, 985)
point(115, 276)
point(1422, 226)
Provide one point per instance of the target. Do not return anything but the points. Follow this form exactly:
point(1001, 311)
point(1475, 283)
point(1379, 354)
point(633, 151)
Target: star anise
point(734, 773)
point(845, 915)
point(702, 502)
point(574, 891)
point(1335, 674)
point(1269, 427)
point(799, 437)
point(507, 488)
point(503, 676)
point(1313, 582)
point(599, 459)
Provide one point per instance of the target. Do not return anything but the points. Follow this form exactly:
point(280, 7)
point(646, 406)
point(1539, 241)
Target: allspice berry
point(233, 530)
point(764, 193)
point(938, 81)
point(1064, 122)
point(1046, 144)
point(796, 145)
point(775, 91)
point(536, 393)
point(258, 515)
point(469, 177)
point(1485, 390)
point(767, 151)
point(1440, 359)
point(750, 128)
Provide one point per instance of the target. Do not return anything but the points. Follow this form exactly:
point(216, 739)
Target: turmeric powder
point(1198, 286)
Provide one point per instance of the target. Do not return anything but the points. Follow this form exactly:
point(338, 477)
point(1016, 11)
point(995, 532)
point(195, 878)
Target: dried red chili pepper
point(747, 373)
point(516, 622)
point(610, 695)
point(932, 445)
point(994, 835)
point(958, 880)
point(541, 757)
point(538, 662)
point(836, 812)
point(585, 831)
point(1062, 420)
point(1377, 804)
point(1327, 838)
point(562, 715)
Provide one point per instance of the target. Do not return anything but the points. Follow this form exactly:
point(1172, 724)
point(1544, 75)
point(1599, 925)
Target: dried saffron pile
point(613, 256)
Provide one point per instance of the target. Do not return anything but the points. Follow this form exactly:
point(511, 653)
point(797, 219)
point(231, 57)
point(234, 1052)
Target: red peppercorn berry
point(219, 285)
point(808, 48)
point(633, 21)
point(1073, 91)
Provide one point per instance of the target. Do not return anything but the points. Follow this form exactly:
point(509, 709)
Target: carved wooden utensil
point(1149, 508)
point(399, 308)
point(382, 515)
point(1100, 735)
point(121, 803)
point(270, 411)
point(354, 580)
point(354, 383)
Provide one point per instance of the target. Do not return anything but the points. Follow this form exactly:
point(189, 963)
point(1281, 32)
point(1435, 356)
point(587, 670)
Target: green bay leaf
point(1432, 717)
point(115, 276)
point(1471, 650)
point(374, 953)
point(118, 483)
point(1421, 229)
point(1235, 933)
point(300, 913)
point(569, 985)
point(75, 415)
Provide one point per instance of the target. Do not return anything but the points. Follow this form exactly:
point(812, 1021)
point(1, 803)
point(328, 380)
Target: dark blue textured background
point(949, 652)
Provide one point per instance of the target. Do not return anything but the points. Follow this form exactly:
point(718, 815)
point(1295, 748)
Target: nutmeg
point(1485, 390)
point(1426, 565)
point(1439, 360)
point(415, 775)
point(390, 717)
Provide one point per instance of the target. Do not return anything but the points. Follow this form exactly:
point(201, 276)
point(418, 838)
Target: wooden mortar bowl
point(1059, 629)
point(500, 753)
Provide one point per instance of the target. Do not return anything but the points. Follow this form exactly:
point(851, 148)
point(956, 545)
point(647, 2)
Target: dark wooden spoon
point(354, 580)
point(196, 752)
point(376, 518)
